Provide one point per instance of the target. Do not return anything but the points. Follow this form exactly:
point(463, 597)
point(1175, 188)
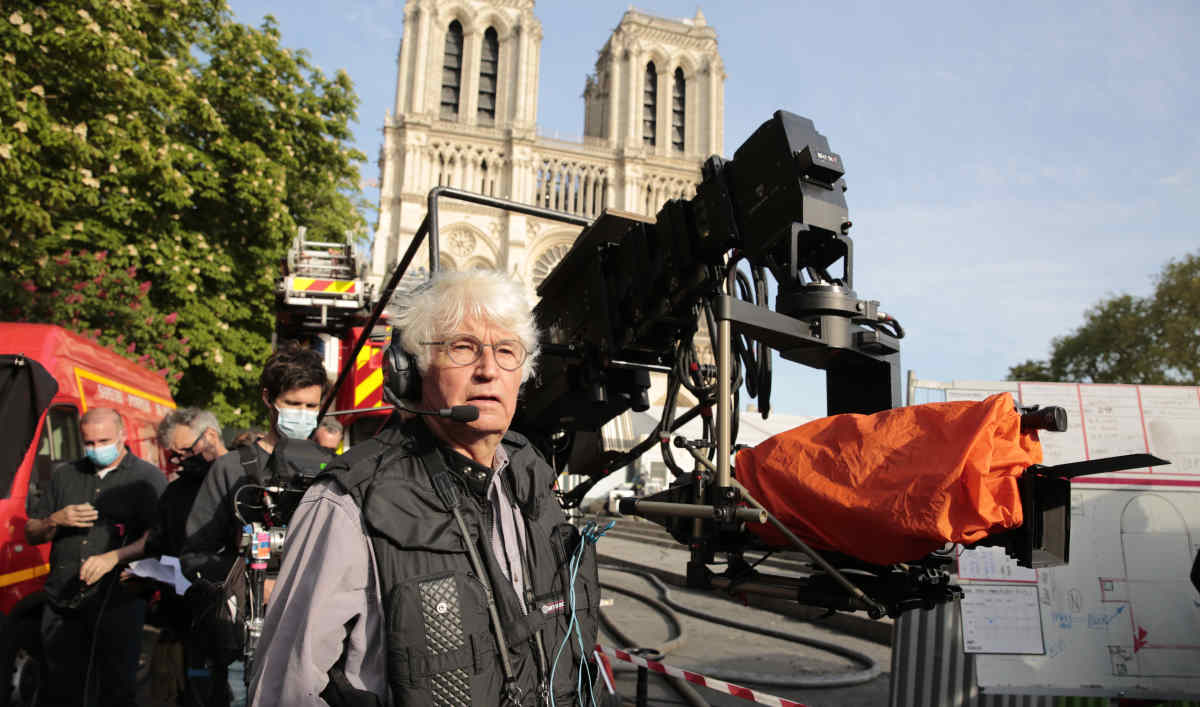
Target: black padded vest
point(441, 649)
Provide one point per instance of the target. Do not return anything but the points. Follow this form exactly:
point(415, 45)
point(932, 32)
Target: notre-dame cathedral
point(466, 116)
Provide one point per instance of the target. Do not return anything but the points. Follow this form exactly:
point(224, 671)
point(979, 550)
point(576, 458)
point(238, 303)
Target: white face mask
point(296, 423)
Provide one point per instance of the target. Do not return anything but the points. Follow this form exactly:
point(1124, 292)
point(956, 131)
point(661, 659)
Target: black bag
point(219, 621)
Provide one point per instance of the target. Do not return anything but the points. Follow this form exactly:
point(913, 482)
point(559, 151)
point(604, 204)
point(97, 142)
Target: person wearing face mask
point(292, 383)
point(183, 655)
point(97, 511)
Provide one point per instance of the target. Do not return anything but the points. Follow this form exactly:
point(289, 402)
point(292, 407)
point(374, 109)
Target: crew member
point(292, 383)
point(192, 438)
point(329, 434)
point(97, 511)
point(381, 596)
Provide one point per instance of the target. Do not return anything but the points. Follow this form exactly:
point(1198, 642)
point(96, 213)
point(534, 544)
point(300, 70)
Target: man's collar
point(477, 476)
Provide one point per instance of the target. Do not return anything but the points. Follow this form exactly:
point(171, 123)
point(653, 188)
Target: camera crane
point(624, 303)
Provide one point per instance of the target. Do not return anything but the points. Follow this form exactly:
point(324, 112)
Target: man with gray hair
point(97, 511)
point(429, 566)
point(191, 439)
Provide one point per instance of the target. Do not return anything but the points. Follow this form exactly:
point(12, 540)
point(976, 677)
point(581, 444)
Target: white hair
point(436, 308)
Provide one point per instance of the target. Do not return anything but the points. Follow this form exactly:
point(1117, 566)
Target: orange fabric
point(896, 485)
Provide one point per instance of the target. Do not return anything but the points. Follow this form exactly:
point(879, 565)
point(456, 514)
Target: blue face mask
point(103, 457)
point(296, 423)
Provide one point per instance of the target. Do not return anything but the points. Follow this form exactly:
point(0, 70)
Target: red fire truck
point(48, 378)
point(323, 298)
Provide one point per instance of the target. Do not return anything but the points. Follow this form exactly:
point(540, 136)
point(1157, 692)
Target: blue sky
point(1009, 164)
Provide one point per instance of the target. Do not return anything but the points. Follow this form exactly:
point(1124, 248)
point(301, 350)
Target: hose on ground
point(869, 672)
point(677, 640)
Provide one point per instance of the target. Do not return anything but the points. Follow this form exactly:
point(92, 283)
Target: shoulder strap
point(250, 465)
point(354, 469)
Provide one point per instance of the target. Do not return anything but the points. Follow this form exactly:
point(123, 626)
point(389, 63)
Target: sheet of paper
point(165, 569)
point(992, 564)
point(1001, 619)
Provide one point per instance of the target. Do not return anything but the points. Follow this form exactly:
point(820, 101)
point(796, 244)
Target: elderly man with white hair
point(433, 565)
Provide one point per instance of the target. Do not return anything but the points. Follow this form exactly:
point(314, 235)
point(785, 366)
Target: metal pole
point(377, 311)
point(661, 509)
point(644, 674)
point(874, 608)
point(429, 232)
point(724, 366)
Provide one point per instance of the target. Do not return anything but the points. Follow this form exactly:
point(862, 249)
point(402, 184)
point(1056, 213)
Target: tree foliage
point(155, 161)
point(1126, 339)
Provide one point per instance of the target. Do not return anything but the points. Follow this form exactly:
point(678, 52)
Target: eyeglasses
point(176, 457)
point(464, 350)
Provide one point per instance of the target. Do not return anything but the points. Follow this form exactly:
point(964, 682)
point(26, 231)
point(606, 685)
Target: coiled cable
point(867, 673)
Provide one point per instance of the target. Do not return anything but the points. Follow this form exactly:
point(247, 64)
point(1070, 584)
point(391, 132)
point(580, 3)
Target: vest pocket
point(439, 640)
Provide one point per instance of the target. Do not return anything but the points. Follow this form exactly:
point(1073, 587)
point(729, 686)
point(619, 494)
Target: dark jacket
point(440, 643)
point(167, 537)
point(213, 529)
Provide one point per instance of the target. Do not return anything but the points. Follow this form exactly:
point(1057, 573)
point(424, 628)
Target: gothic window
point(546, 262)
point(650, 105)
point(452, 70)
point(488, 63)
point(677, 104)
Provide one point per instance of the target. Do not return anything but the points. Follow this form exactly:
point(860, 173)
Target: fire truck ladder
point(321, 289)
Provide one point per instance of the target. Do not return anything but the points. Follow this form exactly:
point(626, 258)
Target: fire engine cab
point(48, 378)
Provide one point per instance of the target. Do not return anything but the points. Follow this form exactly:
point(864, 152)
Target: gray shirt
point(329, 580)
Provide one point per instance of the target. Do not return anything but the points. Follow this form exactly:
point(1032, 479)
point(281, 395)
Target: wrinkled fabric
point(896, 485)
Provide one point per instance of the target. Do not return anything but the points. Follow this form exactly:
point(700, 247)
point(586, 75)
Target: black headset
point(401, 379)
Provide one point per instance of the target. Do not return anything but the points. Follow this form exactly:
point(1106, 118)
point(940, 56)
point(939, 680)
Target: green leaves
point(1124, 339)
point(186, 148)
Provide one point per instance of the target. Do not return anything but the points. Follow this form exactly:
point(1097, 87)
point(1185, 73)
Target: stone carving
point(462, 242)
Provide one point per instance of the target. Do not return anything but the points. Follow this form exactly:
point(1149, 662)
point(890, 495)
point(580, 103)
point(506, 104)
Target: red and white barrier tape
point(696, 678)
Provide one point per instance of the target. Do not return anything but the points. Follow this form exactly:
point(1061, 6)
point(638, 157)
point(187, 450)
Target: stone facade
point(465, 116)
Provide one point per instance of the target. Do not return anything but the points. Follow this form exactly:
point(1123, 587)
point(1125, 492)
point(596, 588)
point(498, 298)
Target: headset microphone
point(458, 413)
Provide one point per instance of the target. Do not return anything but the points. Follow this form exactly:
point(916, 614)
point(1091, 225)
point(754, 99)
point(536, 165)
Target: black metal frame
point(429, 229)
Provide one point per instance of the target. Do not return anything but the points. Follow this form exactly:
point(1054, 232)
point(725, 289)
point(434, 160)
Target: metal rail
point(429, 230)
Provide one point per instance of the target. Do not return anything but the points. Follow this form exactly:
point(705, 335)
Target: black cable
point(764, 353)
point(666, 423)
point(898, 330)
point(686, 691)
point(238, 504)
point(870, 671)
point(744, 348)
point(87, 681)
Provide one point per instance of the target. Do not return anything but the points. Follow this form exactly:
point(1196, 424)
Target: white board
point(1122, 618)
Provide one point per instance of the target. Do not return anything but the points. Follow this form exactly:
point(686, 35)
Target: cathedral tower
point(465, 116)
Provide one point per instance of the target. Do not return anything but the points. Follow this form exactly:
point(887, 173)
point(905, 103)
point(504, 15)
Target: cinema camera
point(265, 507)
point(625, 302)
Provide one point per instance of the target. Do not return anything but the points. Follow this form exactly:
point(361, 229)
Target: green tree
point(155, 162)
point(1126, 339)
